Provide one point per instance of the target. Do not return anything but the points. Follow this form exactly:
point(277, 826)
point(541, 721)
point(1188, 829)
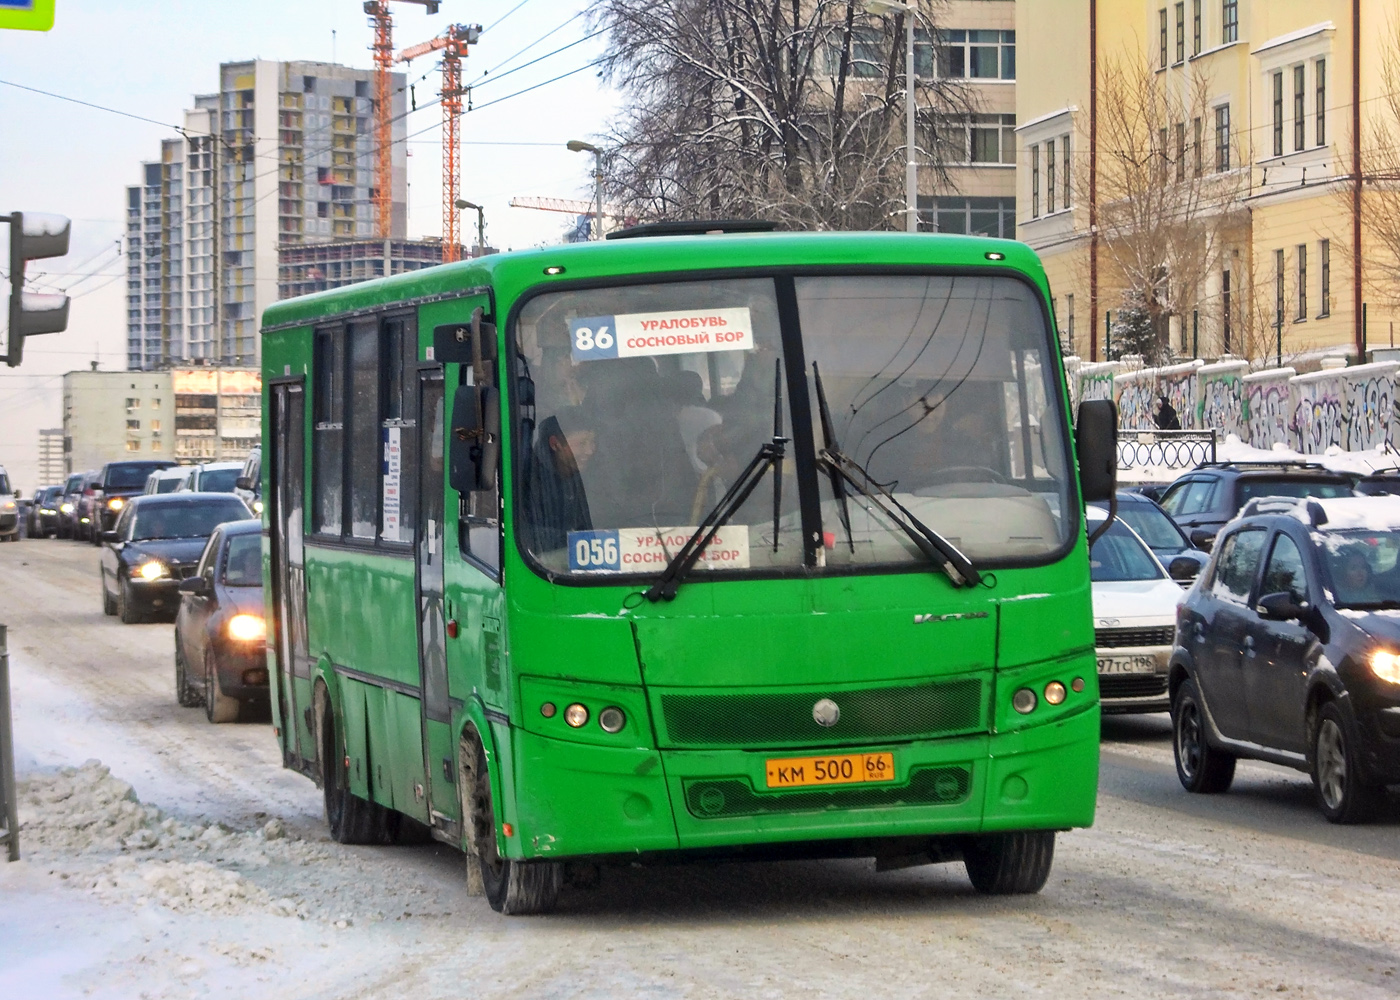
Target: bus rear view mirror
point(1096, 444)
point(458, 343)
point(475, 448)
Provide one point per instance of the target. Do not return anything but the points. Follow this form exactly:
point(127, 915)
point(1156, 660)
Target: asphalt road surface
point(1168, 895)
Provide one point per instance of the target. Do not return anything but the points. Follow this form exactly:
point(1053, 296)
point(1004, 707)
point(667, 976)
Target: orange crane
point(383, 49)
point(452, 43)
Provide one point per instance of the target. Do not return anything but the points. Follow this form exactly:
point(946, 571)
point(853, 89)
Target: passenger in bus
point(937, 440)
point(695, 416)
point(556, 500)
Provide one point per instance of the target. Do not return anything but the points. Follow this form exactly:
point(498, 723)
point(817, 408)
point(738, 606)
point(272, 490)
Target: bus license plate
point(1127, 664)
point(837, 769)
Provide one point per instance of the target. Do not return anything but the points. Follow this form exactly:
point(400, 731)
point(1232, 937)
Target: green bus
point(736, 545)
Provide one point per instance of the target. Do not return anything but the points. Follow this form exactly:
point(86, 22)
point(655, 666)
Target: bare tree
point(1169, 198)
point(1381, 181)
point(788, 110)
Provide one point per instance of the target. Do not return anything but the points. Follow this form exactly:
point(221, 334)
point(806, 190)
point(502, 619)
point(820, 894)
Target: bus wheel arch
point(351, 819)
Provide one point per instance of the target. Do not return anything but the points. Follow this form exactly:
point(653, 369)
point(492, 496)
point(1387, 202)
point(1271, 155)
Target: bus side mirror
point(457, 343)
point(475, 442)
point(1096, 444)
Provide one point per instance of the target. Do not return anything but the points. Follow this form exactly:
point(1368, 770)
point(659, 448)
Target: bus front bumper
point(576, 801)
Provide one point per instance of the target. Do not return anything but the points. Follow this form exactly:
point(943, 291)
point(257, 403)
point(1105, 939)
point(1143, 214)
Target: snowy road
point(1241, 895)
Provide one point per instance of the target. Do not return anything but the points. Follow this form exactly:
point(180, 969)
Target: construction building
point(284, 153)
point(1281, 105)
point(313, 267)
point(51, 470)
point(187, 415)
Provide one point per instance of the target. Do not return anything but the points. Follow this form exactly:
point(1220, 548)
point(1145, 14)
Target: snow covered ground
point(197, 867)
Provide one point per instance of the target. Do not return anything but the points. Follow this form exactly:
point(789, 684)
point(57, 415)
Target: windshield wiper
point(843, 471)
point(770, 454)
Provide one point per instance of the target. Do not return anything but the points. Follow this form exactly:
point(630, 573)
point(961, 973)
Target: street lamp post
point(911, 165)
point(579, 146)
point(480, 221)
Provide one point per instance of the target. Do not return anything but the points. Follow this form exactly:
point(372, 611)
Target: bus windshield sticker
point(644, 550)
point(686, 331)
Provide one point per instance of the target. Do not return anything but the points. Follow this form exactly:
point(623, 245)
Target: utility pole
point(909, 11)
point(462, 203)
point(579, 146)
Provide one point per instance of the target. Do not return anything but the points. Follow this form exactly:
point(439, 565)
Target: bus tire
point(351, 819)
point(1199, 766)
point(513, 888)
point(1010, 864)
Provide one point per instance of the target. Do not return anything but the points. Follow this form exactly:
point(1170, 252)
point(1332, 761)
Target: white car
point(165, 480)
point(212, 477)
point(9, 510)
point(1134, 619)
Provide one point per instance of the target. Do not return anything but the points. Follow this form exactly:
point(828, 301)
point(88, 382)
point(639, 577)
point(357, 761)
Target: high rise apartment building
point(1263, 96)
point(282, 154)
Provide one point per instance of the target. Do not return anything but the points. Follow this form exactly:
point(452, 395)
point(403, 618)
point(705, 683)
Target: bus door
point(432, 631)
point(287, 501)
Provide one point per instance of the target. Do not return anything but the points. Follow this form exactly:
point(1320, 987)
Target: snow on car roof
point(1378, 513)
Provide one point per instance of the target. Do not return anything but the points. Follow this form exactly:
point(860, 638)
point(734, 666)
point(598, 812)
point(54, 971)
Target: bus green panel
point(1044, 777)
point(353, 721)
point(590, 800)
point(341, 586)
point(442, 764)
point(404, 751)
point(301, 721)
point(1043, 625)
point(381, 761)
point(588, 646)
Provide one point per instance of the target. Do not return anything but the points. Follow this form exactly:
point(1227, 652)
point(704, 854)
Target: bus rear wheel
point(352, 820)
point(513, 888)
point(1010, 864)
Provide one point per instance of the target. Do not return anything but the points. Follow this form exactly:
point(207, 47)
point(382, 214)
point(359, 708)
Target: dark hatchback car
point(68, 503)
point(43, 514)
point(117, 482)
point(1162, 535)
point(1288, 650)
point(220, 636)
point(156, 543)
point(1205, 499)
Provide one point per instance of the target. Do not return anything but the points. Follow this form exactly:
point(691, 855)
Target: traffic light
point(34, 236)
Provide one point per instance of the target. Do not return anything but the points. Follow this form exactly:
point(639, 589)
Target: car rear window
point(1152, 526)
point(128, 475)
point(1118, 555)
point(218, 480)
point(1253, 487)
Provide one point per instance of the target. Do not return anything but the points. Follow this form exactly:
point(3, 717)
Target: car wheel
point(1343, 794)
point(352, 820)
point(1201, 767)
point(514, 888)
point(218, 707)
point(1010, 864)
point(185, 694)
point(126, 603)
point(109, 603)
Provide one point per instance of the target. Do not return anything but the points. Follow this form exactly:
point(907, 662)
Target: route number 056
point(595, 552)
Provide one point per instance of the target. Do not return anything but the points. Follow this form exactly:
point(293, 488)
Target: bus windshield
point(652, 399)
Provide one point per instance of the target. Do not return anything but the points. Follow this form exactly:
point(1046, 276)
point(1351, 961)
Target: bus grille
point(716, 798)
point(868, 715)
point(1132, 685)
point(1110, 638)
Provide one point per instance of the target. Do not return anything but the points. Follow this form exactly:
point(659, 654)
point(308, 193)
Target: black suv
point(1205, 499)
point(119, 481)
point(1288, 650)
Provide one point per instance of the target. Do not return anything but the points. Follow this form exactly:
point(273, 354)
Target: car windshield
point(652, 399)
point(1362, 565)
point(127, 475)
point(168, 484)
point(75, 483)
point(217, 480)
point(1153, 526)
point(243, 565)
point(4, 483)
point(1118, 555)
point(1252, 487)
point(185, 520)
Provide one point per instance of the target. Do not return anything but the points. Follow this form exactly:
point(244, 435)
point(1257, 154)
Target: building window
point(1302, 281)
point(1324, 253)
point(1069, 318)
point(1197, 146)
point(978, 55)
point(1195, 27)
point(1299, 118)
point(1162, 36)
point(1181, 31)
point(133, 446)
point(1225, 309)
point(1229, 21)
point(1222, 137)
point(1064, 170)
point(1035, 183)
point(155, 446)
point(1278, 114)
point(975, 139)
point(978, 216)
point(1050, 177)
point(1181, 151)
point(1163, 155)
point(155, 426)
point(328, 435)
point(133, 404)
point(1278, 289)
point(1321, 99)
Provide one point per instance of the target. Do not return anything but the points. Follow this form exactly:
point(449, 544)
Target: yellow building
point(1255, 99)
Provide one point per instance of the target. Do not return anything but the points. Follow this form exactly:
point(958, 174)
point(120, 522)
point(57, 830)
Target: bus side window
point(479, 528)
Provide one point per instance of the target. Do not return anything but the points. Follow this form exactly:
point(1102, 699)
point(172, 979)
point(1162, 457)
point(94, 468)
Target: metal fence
point(9, 795)
point(1165, 449)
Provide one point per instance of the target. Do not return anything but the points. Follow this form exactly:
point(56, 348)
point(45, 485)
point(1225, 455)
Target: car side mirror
point(1203, 539)
point(1282, 608)
point(110, 536)
point(1096, 445)
point(197, 585)
point(244, 482)
point(1184, 569)
point(474, 448)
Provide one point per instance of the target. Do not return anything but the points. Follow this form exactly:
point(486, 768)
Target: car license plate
point(834, 769)
point(1127, 664)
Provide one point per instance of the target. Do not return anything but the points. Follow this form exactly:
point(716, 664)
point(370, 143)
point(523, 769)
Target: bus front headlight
point(247, 628)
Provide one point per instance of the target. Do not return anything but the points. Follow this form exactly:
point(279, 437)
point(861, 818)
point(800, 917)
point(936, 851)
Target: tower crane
point(452, 43)
point(383, 49)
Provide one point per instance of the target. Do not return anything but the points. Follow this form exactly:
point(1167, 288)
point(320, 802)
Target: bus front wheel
point(513, 888)
point(1010, 864)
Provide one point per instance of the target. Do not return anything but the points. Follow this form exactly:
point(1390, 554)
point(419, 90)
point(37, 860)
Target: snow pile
point(185, 886)
point(82, 808)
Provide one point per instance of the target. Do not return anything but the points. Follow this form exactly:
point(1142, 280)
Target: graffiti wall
point(1094, 380)
point(1351, 408)
point(1139, 395)
point(1267, 407)
point(1220, 398)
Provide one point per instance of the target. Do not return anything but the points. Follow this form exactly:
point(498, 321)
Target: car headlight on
point(66, 508)
point(153, 570)
point(116, 503)
point(247, 628)
point(1386, 666)
point(257, 506)
point(9, 505)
